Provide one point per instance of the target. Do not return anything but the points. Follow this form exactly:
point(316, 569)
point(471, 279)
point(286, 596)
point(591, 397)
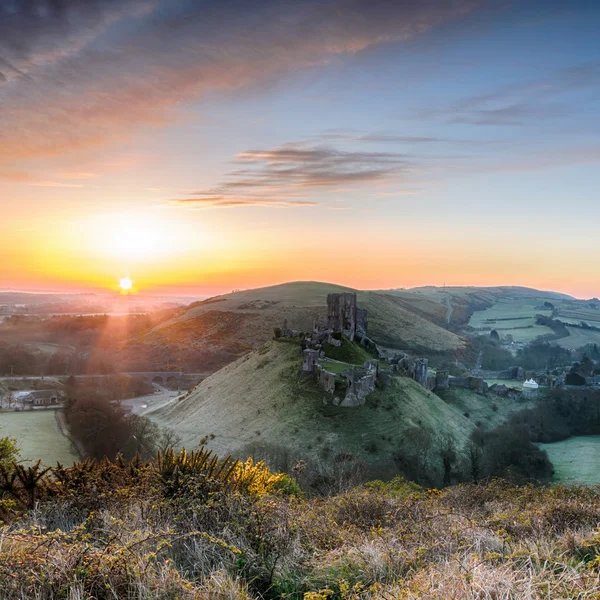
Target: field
point(576, 459)
point(38, 436)
point(512, 316)
point(578, 338)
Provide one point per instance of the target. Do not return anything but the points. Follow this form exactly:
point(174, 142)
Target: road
point(151, 402)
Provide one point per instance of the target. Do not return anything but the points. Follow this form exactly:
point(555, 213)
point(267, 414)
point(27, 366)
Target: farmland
point(516, 317)
point(38, 436)
point(575, 459)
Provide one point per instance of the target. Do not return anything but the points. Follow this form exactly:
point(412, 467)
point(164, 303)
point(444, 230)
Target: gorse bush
point(190, 525)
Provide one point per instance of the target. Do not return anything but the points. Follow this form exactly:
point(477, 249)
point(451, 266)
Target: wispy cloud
point(55, 184)
point(87, 72)
point(520, 103)
point(287, 175)
point(216, 201)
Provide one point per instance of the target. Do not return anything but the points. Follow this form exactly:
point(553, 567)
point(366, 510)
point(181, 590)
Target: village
point(350, 386)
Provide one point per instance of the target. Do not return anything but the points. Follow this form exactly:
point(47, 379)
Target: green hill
point(263, 398)
point(241, 321)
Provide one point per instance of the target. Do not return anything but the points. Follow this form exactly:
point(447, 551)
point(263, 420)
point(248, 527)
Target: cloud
point(89, 72)
point(56, 184)
point(541, 98)
point(33, 180)
point(231, 202)
point(348, 135)
point(287, 175)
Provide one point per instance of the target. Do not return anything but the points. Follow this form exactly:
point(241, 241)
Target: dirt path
point(450, 311)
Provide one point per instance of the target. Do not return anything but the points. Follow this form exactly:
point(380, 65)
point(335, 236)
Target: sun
point(125, 284)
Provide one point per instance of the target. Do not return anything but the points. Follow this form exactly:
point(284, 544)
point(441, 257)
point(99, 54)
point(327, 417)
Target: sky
point(202, 146)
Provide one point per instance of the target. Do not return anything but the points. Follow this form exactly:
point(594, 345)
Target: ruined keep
point(342, 314)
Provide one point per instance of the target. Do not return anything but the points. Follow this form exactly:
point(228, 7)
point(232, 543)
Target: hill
point(238, 322)
point(263, 398)
point(455, 305)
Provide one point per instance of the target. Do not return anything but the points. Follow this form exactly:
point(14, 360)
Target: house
point(44, 397)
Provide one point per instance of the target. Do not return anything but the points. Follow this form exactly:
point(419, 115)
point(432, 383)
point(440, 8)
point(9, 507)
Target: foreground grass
point(125, 531)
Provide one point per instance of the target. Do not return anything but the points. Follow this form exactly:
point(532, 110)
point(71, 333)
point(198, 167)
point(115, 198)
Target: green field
point(576, 459)
point(512, 316)
point(38, 436)
point(579, 338)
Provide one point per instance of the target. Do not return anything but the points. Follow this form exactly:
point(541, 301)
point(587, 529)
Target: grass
point(481, 408)
point(516, 317)
point(289, 409)
point(382, 541)
point(38, 436)
point(348, 352)
point(510, 383)
point(244, 320)
point(334, 367)
point(576, 459)
point(578, 338)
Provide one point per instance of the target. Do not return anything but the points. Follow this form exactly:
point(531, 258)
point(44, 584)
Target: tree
point(169, 440)
point(474, 455)
point(144, 435)
point(448, 456)
point(413, 456)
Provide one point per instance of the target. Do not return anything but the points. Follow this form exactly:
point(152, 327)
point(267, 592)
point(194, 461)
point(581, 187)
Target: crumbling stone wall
point(441, 380)
point(384, 379)
point(361, 321)
point(420, 371)
point(513, 373)
point(361, 382)
point(310, 359)
point(326, 380)
point(477, 384)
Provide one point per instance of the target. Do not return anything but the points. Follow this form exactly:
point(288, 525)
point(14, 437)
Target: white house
point(530, 385)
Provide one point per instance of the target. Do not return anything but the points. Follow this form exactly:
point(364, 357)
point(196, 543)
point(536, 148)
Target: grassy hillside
point(264, 398)
point(243, 320)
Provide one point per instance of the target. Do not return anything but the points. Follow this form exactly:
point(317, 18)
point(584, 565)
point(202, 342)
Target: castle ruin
point(341, 314)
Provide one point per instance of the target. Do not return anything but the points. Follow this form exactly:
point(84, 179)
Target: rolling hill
point(241, 321)
point(263, 398)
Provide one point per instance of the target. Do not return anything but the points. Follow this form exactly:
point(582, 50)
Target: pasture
point(579, 338)
point(512, 316)
point(38, 436)
point(576, 459)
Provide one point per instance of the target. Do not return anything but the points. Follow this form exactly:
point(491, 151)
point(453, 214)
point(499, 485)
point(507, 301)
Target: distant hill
point(455, 305)
point(244, 320)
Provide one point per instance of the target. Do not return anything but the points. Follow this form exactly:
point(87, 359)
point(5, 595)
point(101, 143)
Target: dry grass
point(493, 541)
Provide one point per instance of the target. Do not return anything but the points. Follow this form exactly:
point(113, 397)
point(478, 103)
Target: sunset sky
point(200, 146)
